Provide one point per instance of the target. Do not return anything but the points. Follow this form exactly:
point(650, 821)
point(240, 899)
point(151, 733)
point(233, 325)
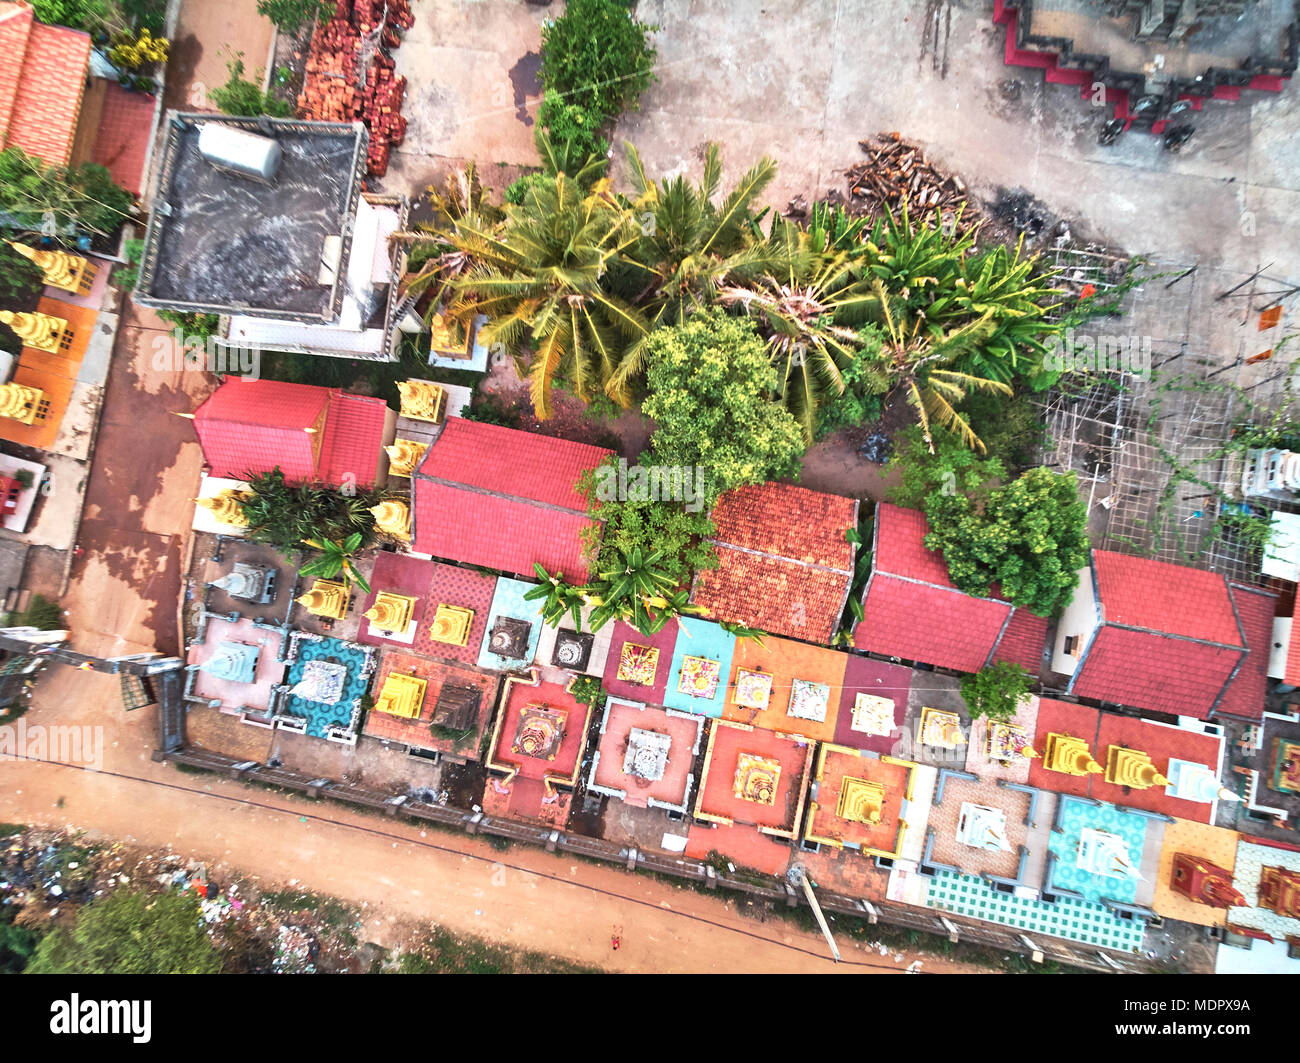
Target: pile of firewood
point(337, 89)
point(897, 171)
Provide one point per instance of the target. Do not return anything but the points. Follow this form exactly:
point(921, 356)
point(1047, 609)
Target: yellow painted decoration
point(392, 518)
point(402, 695)
point(757, 778)
point(1132, 767)
point(69, 272)
point(21, 403)
point(422, 400)
point(226, 507)
point(1070, 755)
point(861, 800)
point(326, 598)
point(391, 612)
point(451, 624)
point(404, 456)
point(40, 331)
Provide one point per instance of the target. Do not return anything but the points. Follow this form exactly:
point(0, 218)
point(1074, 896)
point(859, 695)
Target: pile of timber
point(896, 171)
point(349, 75)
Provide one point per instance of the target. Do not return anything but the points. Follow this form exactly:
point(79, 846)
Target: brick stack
point(335, 87)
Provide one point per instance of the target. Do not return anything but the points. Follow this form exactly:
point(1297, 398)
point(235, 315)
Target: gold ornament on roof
point(392, 518)
point(42, 331)
point(62, 270)
point(21, 403)
point(404, 456)
point(423, 400)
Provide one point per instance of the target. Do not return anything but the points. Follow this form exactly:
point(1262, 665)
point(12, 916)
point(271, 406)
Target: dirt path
point(397, 872)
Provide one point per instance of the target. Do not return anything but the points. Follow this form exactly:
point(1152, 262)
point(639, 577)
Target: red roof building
point(913, 611)
point(1159, 636)
point(503, 499)
point(42, 81)
point(784, 565)
point(313, 434)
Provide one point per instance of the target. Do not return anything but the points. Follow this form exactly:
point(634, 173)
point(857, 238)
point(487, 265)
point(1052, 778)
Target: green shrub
point(597, 57)
point(88, 15)
point(244, 98)
point(293, 15)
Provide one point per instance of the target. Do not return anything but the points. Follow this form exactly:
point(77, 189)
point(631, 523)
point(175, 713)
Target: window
point(1072, 645)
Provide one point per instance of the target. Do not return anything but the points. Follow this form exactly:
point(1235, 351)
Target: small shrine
point(402, 695)
point(1196, 782)
point(1008, 743)
point(753, 689)
point(1105, 854)
point(40, 331)
point(1285, 777)
point(940, 728)
point(699, 677)
point(509, 638)
point(423, 400)
point(391, 612)
point(62, 270)
point(226, 507)
point(572, 649)
point(982, 827)
point(637, 664)
point(861, 801)
point(647, 754)
point(1201, 881)
point(540, 732)
point(1279, 891)
point(1069, 755)
point(451, 624)
point(757, 778)
point(235, 662)
point(457, 707)
point(249, 583)
point(393, 518)
point(873, 715)
point(404, 456)
point(1132, 768)
point(326, 598)
point(808, 700)
point(19, 402)
point(322, 681)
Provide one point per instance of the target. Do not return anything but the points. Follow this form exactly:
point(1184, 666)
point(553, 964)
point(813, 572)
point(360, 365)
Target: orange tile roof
point(41, 84)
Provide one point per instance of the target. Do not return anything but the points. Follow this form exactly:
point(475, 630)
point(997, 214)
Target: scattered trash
point(876, 448)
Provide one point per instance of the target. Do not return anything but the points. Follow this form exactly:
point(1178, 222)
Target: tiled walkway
point(1075, 920)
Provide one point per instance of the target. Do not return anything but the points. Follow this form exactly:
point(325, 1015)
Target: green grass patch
point(447, 953)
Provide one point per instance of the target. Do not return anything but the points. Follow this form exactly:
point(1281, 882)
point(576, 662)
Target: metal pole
point(821, 919)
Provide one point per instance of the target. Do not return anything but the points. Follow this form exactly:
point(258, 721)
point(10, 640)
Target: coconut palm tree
point(921, 366)
point(807, 309)
point(538, 280)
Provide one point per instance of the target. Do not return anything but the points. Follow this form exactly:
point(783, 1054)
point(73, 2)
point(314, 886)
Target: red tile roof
point(503, 499)
point(42, 80)
point(252, 426)
point(122, 140)
point(784, 564)
point(1244, 698)
point(1023, 641)
point(354, 439)
point(912, 610)
point(1153, 671)
point(1162, 597)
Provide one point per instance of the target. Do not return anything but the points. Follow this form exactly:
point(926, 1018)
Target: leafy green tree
point(662, 525)
point(88, 15)
point(17, 943)
point(293, 15)
point(239, 96)
point(538, 281)
point(709, 382)
point(131, 932)
point(20, 278)
point(996, 691)
point(336, 560)
point(1030, 540)
point(287, 515)
point(947, 468)
point(50, 199)
point(598, 56)
point(864, 384)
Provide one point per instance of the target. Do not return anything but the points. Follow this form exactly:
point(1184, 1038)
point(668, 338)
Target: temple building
point(250, 583)
point(235, 662)
point(1131, 767)
point(326, 598)
point(1069, 755)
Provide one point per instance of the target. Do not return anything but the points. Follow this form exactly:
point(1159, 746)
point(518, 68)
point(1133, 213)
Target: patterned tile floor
point(319, 716)
point(1077, 815)
point(1075, 920)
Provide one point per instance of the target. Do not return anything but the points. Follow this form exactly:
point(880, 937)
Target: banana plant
point(336, 560)
point(639, 593)
point(559, 599)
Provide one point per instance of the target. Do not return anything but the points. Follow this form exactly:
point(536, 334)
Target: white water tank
point(239, 151)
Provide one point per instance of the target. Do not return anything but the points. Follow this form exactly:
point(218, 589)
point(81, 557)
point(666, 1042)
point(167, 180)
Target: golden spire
point(71, 273)
point(41, 331)
point(21, 402)
point(404, 456)
point(226, 507)
point(393, 518)
point(422, 400)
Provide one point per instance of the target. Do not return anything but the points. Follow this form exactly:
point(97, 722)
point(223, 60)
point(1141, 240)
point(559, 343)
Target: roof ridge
point(16, 67)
